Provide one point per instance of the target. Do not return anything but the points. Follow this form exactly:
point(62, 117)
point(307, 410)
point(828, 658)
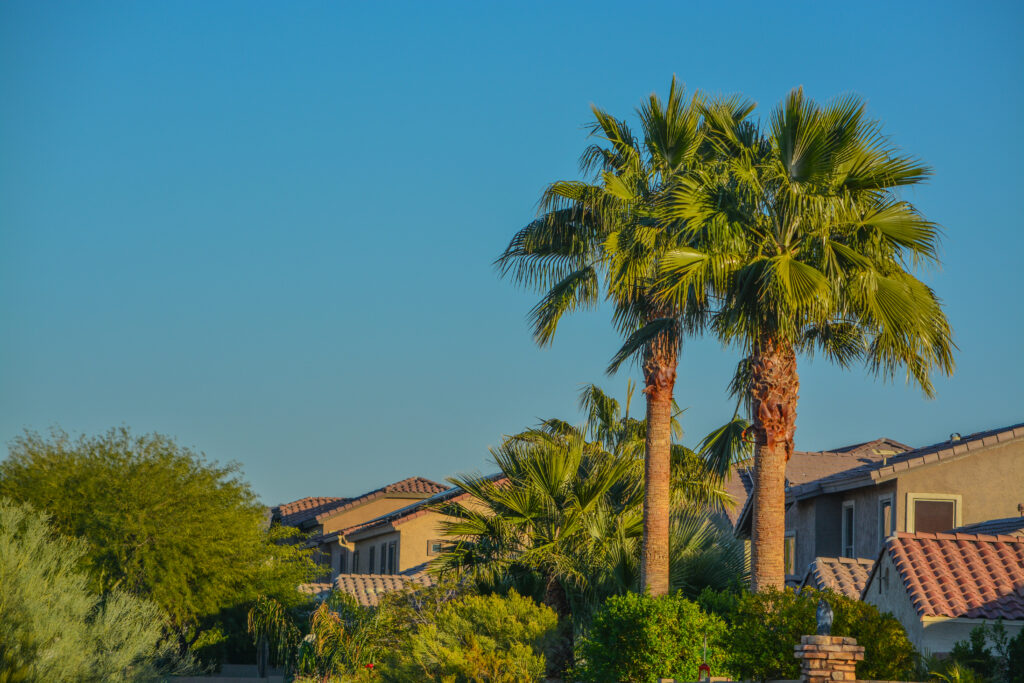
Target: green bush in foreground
point(52, 628)
point(490, 639)
point(638, 638)
point(765, 627)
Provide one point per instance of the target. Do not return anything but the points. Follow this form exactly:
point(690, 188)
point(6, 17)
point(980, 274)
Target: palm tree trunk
point(562, 653)
point(773, 392)
point(659, 379)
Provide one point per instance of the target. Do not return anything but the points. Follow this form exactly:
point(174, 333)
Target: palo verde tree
point(159, 521)
point(604, 237)
point(799, 240)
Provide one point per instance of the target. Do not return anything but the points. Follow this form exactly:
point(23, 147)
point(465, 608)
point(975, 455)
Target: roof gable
point(305, 509)
point(890, 467)
point(845, 575)
point(414, 487)
point(960, 575)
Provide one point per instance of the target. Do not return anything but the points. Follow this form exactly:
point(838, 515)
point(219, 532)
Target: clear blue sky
point(267, 228)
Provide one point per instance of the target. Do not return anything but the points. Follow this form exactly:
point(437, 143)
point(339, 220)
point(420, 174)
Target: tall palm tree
point(801, 242)
point(606, 234)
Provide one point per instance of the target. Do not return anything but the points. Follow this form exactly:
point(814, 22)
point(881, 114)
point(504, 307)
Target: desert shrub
point(766, 626)
point(988, 653)
point(639, 638)
point(52, 627)
point(486, 639)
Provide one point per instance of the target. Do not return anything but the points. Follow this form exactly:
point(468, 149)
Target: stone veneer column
point(828, 658)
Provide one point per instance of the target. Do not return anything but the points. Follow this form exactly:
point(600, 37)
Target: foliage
point(1002, 662)
point(161, 522)
point(52, 626)
point(766, 626)
point(485, 639)
point(639, 639)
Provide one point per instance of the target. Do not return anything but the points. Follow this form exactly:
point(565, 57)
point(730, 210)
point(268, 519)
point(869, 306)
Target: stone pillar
point(828, 658)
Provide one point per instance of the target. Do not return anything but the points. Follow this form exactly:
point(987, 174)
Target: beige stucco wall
point(362, 546)
point(365, 512)
point(991, 482)
point(412, 536)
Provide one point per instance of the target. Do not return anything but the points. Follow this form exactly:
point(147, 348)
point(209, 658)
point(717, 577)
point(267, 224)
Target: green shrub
point(52, 627)
point(1002, 662)
point(638, 638)
point(486, 639)
point(766, 626)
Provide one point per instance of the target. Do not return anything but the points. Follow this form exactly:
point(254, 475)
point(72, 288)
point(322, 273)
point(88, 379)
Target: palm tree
point(568, 512)
point(800, 241)
point(608, 231)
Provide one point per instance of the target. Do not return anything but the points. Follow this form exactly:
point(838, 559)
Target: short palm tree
point(799, 240)
point(605, 236)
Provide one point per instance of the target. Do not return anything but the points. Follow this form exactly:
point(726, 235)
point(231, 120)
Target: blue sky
point(268, 228)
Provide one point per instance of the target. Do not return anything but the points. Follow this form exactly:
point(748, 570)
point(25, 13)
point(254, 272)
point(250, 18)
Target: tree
point(566, 513)
point(800, 240)
point(609, 230)
point(161, 522)
point(52, 627)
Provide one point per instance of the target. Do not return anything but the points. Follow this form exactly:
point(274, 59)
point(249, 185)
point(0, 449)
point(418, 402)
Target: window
point(789, 552)
point(933, 512)
point(383, 558)
point(342, 561)
point(371, 568)
point(392, 549)
point(848, 529)
point(355, 562)
point(433, 547)
point(886, 519)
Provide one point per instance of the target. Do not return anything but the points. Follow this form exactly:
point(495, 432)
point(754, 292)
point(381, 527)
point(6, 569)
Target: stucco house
point(326, 519)
point(942, 585)
point(803, 467)
point(962, 481)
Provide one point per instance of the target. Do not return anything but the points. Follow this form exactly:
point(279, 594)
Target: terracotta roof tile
point(298, 511)
point(367, 588)
point(845, 575)
point(975, 576)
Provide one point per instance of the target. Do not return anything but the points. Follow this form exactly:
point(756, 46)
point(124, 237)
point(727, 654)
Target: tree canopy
point(160, 521)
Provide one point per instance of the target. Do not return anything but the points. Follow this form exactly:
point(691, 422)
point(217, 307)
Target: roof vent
point(955, 436)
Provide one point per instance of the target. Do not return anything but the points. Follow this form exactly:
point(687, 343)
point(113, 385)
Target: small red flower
point(369, 666)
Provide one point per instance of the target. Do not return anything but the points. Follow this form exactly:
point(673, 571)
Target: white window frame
point(849, 504)
point(958, 506)
point(792, 553)
point(882, 535)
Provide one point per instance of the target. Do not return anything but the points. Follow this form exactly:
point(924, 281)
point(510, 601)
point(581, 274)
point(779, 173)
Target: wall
point(363, 546)
point(894, 599)
point(365, 512)
point(989, 481)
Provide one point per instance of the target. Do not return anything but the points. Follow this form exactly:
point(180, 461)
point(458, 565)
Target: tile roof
point(299, 511)
point(1008, 526)
point(367, 588)
point(417, 509)
point(882, 469)
point(809, 466)
point(845, 575)
point(411, 486)
point(961, 575)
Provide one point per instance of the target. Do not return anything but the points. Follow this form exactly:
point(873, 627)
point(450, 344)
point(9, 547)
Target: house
point(803, 467)
point(845, 575)
point(942, 585)
point(962, 481)
point(325, 519)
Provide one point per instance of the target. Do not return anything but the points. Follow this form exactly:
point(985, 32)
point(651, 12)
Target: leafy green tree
point(606, 236)
point(799, 241)
point(52, 626)
point(484, 638)
point(161, 522)
point(642, 639)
